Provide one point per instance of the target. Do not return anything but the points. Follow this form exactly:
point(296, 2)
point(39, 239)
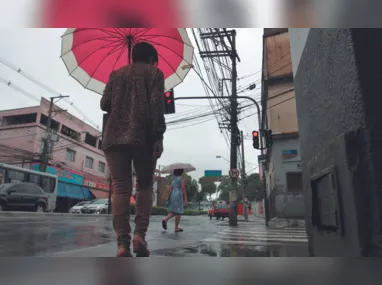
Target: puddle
point(235, 250)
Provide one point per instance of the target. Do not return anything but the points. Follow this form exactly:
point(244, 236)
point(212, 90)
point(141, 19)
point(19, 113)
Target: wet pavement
point(31, 234)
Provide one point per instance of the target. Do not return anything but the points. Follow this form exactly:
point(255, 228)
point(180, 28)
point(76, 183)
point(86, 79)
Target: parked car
point(76, 209)
point(220, 209)
point(98, 206)
point(22, 197)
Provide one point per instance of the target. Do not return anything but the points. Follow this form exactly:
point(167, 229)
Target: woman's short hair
point(178, 172)
point(144, 52)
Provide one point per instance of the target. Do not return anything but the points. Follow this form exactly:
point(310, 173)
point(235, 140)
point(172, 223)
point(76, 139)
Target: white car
point(98, 206)
point(77, 208)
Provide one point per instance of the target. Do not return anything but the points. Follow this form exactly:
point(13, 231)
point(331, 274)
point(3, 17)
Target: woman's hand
point(158, 149)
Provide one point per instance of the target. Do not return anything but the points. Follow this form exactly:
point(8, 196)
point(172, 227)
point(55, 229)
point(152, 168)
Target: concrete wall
point(337, 84)
point(286, 205)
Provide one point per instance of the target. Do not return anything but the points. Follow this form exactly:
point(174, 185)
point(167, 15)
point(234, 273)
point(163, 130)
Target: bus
point(48, 182)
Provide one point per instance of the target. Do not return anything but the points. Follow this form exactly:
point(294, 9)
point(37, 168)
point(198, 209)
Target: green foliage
point(207, 187)
point(223, 189)
point(194, 213)
point(254, 188)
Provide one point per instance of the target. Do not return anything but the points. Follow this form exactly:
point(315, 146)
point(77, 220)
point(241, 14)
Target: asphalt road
point(31, 234)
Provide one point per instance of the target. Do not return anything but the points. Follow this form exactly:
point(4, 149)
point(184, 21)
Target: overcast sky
point(37, 52)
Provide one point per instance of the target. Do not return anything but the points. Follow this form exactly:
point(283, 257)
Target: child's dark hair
point(178, 172)
point(144, 52)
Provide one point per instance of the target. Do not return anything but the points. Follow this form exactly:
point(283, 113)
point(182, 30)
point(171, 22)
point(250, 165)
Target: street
point(65, 235)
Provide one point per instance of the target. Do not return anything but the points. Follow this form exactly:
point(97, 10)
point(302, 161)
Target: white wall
point(298, 39)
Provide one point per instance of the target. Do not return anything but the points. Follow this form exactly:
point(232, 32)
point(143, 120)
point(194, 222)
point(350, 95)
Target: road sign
point(261, 158)
point(234, 173)
point(212, 173)
point(232, 196)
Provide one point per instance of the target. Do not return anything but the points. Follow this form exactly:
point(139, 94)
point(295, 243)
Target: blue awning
point(74, 191)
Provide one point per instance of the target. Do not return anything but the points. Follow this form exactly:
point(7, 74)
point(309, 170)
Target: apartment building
point(76, 157)
point(283, 162)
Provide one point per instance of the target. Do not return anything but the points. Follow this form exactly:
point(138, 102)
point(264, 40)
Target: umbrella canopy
point(92, 54)
point(185, 166)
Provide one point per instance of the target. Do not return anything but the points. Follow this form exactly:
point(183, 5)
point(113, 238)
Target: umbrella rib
point(142, 32)
point(110, 53)
point(106, 31)
point(169, 37)
point(117, 40)
point(162, 45)
point(170, 67)
point(89, 55)
point(119, 56)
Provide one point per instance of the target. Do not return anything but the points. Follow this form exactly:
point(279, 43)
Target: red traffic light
point(167, 94)
point(255, 133)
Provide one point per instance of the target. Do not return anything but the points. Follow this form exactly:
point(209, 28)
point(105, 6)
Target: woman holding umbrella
point(131, 68)
point(178, 195)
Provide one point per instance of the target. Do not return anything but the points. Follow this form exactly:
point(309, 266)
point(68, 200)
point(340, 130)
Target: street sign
point(232, 196)
point(261, 158)
point(234, 173)
point(289, 153)
point(212, 173)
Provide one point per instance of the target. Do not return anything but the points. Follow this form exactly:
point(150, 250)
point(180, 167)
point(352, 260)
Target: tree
point(208, 187)
point(200, 197)
point(223, 189)
point(255, 188)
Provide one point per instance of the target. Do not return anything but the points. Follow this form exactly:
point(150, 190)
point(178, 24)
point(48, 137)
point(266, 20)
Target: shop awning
point(99, 194)
point(78, 192)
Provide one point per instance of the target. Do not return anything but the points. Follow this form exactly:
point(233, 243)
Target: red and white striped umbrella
point(91, 54)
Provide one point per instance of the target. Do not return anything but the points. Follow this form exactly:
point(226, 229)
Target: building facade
point(75, 156)
point(283, 161)
point(337, 80)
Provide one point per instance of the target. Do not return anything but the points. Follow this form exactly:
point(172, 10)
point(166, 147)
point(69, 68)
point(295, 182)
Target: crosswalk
point(257, 235)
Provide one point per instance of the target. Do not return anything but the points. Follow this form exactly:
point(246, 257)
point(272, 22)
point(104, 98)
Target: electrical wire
point(47, 88)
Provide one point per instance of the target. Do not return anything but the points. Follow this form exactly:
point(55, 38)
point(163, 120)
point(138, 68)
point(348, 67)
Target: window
point(15, 176)
point(101, 167)
point(34, 178)
point(70, 155)
point(89, 162)
point(48, 184)
point(294, 182)
point(2, 175)
point(29, 189)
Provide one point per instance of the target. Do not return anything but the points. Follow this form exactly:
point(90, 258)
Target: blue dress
point(175, 202)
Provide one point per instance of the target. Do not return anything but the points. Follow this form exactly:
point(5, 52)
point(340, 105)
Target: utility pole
point(244, 175)
point(266, 208)
point(232, 54)
point(47, 139)
point(234, 133)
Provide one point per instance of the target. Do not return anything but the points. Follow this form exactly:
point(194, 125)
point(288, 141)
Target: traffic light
point(268, 138)
point(256, 139)
point(169, 102)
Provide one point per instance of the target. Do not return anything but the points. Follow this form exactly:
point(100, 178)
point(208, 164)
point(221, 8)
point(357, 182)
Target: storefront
point(75, 186)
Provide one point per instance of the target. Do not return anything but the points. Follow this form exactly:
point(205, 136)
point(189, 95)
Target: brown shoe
point(123, 252)
point(140, 247)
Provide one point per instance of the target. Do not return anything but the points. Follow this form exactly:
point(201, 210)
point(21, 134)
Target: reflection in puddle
point(233, 250)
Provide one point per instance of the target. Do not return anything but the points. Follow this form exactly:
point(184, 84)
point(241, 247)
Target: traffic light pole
point(266, 205)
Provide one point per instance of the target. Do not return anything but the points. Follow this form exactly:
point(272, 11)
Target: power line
point(47, 88)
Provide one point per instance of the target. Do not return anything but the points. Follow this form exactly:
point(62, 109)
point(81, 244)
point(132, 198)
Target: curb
point(34, 214)
point(50, 214)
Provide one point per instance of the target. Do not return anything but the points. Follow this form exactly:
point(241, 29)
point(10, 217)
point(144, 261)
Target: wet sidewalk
point(31, 235)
